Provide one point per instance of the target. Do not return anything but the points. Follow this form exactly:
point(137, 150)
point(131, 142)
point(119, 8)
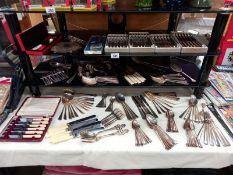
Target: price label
point(115, 55)
point(50, 10)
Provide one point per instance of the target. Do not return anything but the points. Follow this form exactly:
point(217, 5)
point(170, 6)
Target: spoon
point(171, 124)
point(88, 136)
point(162, 80)
point(129, 112)
point(105, 80)
point(167, 141)
point(178, 69)
point(141, 137)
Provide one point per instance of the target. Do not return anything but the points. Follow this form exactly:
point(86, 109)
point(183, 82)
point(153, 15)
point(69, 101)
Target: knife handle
point(33, 132)
point(36, 129)
point(52, 134)
point(37, 126)
point(61, 138)
point(31, 136)
point(57, 128)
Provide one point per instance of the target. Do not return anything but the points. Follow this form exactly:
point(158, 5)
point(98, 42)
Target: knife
point(34, 119)
point(24, 136)
point(28, 129)
point(33, 122)
point(30, 126)
point(26, 132)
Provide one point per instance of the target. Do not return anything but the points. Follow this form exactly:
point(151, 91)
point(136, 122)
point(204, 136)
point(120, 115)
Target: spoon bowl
point(120, 97)
point(151, 120)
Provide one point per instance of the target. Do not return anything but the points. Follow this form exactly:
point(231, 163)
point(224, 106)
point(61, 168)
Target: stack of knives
point(26, 129)
point(72, 129)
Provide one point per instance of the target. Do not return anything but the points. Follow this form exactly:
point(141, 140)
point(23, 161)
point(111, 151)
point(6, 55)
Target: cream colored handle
point(140, 77)
point(31, 136)
point(60, 139)
point(137, 78)
point(40, 122)
point(37, 126)
point(129, 81)
point(33, 132)
point(34, 129)
point(57, 128)
point(55, 133)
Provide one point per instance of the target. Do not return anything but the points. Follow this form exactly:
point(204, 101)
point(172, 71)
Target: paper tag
point(115, 55)
point(50, 10)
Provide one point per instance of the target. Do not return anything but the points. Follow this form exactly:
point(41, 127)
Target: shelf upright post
point(61, 17)
point(217, 33)
point(172, 23)
point(26, 64)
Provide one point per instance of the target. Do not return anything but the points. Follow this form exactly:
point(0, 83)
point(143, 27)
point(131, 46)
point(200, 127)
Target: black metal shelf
point(150, 54)
point(136, 10)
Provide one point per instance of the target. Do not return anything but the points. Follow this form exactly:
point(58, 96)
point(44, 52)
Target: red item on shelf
point(228, 2)
point(8, 32)
point(44, 3)
point(37, 40)
point(83, 170)
point(88, 3)
point(226, 45)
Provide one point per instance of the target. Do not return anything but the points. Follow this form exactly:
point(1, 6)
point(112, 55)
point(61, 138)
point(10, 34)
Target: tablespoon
point(140, 137)
point(162, 80)
point(177, 68)
point(167, 141)
point(129, 112)
point(95, 138)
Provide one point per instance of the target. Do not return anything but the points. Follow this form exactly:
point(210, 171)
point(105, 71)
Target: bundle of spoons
point(74, 106)
point(167, 141)
point(140, 137)
point(192, 139)
point(192, 111)
point(211, 134)
point(171, 124)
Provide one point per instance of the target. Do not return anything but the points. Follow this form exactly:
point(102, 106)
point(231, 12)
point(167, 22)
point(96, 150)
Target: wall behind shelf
point(135, 22)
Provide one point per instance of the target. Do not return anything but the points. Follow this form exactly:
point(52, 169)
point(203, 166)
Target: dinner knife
point(27, 129)
point(26, 132)
point(24, 136)
point(30, 125)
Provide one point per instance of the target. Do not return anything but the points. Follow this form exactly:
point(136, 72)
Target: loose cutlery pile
point(192, 111)
point(167, 141)
point(162, 104)
point(140, 137)
point(73, 106)
point(211, 134)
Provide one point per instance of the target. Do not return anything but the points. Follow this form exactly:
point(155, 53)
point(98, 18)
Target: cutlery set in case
point(31, 121)
point(144, 42)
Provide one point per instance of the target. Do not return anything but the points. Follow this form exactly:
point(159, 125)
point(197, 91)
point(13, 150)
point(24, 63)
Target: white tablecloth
point(119, 152)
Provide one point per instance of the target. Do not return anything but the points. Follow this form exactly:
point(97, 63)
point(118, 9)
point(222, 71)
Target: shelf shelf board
point(149, 55)
point(137, 10)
